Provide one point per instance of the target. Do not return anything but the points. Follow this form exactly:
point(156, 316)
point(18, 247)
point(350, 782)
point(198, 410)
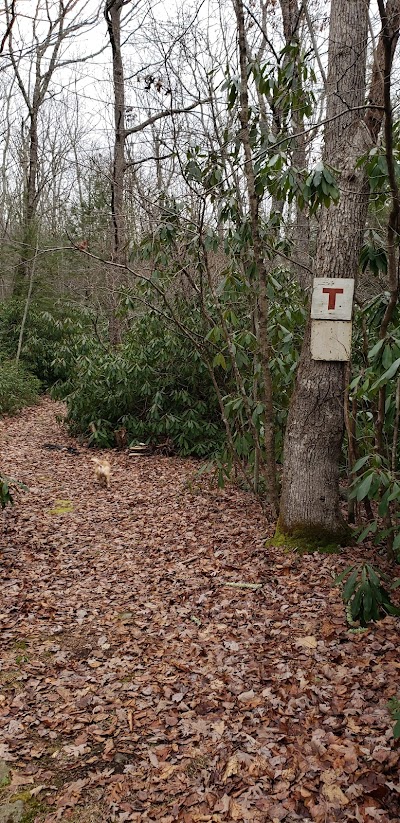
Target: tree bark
point(29, 229)
point(112, 13)
point(291, 16)
point(310, 492)
point(259, 264)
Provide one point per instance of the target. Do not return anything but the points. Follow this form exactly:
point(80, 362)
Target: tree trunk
point(49, 31)
point(259, 264)
point(310, 493)
point(23, 276)
point(112, 12)
point(291, 16)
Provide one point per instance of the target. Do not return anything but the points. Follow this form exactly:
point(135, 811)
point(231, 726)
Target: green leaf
point(340, 577)
point(383, 507)
point(361, 462)
point(259, 409)
point(375, 612)
point(274, 160)
point(193, 171)
point(367, 602)
point(373, 575)
point(387, 357)
point(355, 605)
point(390, 609)
point(219, 360)
point(364, 487)
point(395, 492)
point(387, 375)
point(350, 585)
point(371, 527)
point(375, 349)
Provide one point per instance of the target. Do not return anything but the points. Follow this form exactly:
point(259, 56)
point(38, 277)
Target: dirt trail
point(139, 682)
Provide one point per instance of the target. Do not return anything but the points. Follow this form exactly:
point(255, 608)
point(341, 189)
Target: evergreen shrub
point(18, 387)
point(155, 385)
point(55, 335)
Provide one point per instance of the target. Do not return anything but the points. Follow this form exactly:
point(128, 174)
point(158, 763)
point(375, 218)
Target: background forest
point(172, 176)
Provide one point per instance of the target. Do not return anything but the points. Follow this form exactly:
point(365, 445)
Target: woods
point(232, 178)
point(176, 185)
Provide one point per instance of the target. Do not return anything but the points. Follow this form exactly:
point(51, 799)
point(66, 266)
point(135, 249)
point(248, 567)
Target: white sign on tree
point(331, 312)
point(332, 298)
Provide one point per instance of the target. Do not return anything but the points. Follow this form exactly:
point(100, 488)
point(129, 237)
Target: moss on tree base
point(27, 807)
point(309, 539)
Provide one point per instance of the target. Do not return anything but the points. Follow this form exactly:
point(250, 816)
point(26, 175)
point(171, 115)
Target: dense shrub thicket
point(18, 387)
point(56, 334)
point(158, 384)
point(154, 385)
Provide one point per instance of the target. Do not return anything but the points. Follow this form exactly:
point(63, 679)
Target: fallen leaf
point(19, 779)
point(335, 795)
point(245, 697)
point(5, 753)
point(165, 773)
point(232, 768)
point(34, 792)
point(76, 751)
point(237, 811)
point(309, 642)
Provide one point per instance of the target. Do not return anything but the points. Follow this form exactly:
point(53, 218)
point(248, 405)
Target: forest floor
point(139, 682)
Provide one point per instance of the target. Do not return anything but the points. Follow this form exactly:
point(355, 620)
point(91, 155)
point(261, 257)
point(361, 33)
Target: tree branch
point(9, 26)
point(161, 114)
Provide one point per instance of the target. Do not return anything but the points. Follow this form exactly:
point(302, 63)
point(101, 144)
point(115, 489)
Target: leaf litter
point(159, 663)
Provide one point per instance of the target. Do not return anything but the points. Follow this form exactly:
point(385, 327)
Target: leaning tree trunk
point(310, 492)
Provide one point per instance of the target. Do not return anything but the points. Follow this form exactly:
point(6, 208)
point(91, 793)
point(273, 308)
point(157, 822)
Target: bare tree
point(53, 24)
point(113, 12)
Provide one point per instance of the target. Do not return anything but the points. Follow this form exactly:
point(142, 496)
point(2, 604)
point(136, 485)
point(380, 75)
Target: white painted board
point(332, 298)
point(330, 340)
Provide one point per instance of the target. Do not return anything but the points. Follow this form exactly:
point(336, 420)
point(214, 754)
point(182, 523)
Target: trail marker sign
point(330, 340)
point(331, 312)
point(332, 298)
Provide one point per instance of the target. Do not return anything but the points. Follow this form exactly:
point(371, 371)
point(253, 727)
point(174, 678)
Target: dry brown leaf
point(232, 768)
point(219, 727)
point(170, 769)
point(101, 661)
point(34, 792)
point(76, 751)
point(308, 642)
point(236, 810)
point(246, 697)
point(335, 795)
point(329, 776)
point(18, 779)
point(278, 813)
